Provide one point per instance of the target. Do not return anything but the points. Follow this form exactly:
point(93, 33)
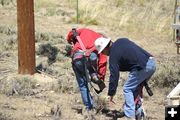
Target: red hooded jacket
point(88, 38)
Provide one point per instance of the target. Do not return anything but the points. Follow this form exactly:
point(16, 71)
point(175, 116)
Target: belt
point(77, 55)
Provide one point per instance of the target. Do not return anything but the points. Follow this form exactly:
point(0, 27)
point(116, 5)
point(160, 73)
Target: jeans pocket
point(79, 65)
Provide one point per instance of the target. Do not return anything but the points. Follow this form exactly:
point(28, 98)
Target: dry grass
point(145, 16)
point(21, 85)
point(6, 2)
point(167, 74)
point(5, 117)
point(45, 3)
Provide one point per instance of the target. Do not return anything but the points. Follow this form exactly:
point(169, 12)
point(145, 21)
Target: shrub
point(50, 37)
point(68, 49)
point(44, 3)
point(84, 20)
point(8, 30)
point(61, 57)
point(119, 2)
point(167, 75)
point(5, 117)
point(65, 86)
point(49, 51)
point(8, 43)
point(21, 85)
point(88, 14)
point(8, 39)
point(42, 37)
point(5, 2)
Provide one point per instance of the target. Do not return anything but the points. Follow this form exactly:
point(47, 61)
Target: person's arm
point(102, 62)
point(114, 76)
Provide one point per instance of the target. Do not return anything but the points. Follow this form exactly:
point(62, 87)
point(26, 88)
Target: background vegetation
point(138, 18)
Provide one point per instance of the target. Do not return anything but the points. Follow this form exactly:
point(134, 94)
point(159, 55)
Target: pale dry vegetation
point(141, 15)
point(22, 85)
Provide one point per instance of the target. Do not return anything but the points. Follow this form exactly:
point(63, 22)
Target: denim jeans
point(79, 70)
point(135, 78)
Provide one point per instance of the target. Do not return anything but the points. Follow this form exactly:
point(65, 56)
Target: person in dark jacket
point(125, 55)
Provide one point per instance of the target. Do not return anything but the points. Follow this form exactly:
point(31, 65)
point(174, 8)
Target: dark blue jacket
point(125, 55)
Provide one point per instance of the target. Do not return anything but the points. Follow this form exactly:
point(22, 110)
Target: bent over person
point(125, 55)
point(85, 57)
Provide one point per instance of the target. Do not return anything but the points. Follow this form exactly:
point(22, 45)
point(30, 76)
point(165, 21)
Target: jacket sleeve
point(114, 76)
point(102, 62)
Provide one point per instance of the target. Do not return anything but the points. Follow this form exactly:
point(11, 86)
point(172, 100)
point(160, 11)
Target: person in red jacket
point(94, 62)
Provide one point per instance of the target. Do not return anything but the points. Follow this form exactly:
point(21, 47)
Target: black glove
point(95, 79)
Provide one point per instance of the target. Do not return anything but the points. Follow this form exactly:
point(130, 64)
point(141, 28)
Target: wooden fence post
point(26, 36)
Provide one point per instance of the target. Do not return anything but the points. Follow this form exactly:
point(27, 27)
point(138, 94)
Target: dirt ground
point(39, 106)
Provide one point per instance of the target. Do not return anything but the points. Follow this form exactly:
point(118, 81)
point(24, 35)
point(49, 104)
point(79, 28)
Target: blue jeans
point(135, 78)
point(79, 70)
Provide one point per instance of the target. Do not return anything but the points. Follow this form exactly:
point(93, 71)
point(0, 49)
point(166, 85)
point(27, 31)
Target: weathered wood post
point(26, 36)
